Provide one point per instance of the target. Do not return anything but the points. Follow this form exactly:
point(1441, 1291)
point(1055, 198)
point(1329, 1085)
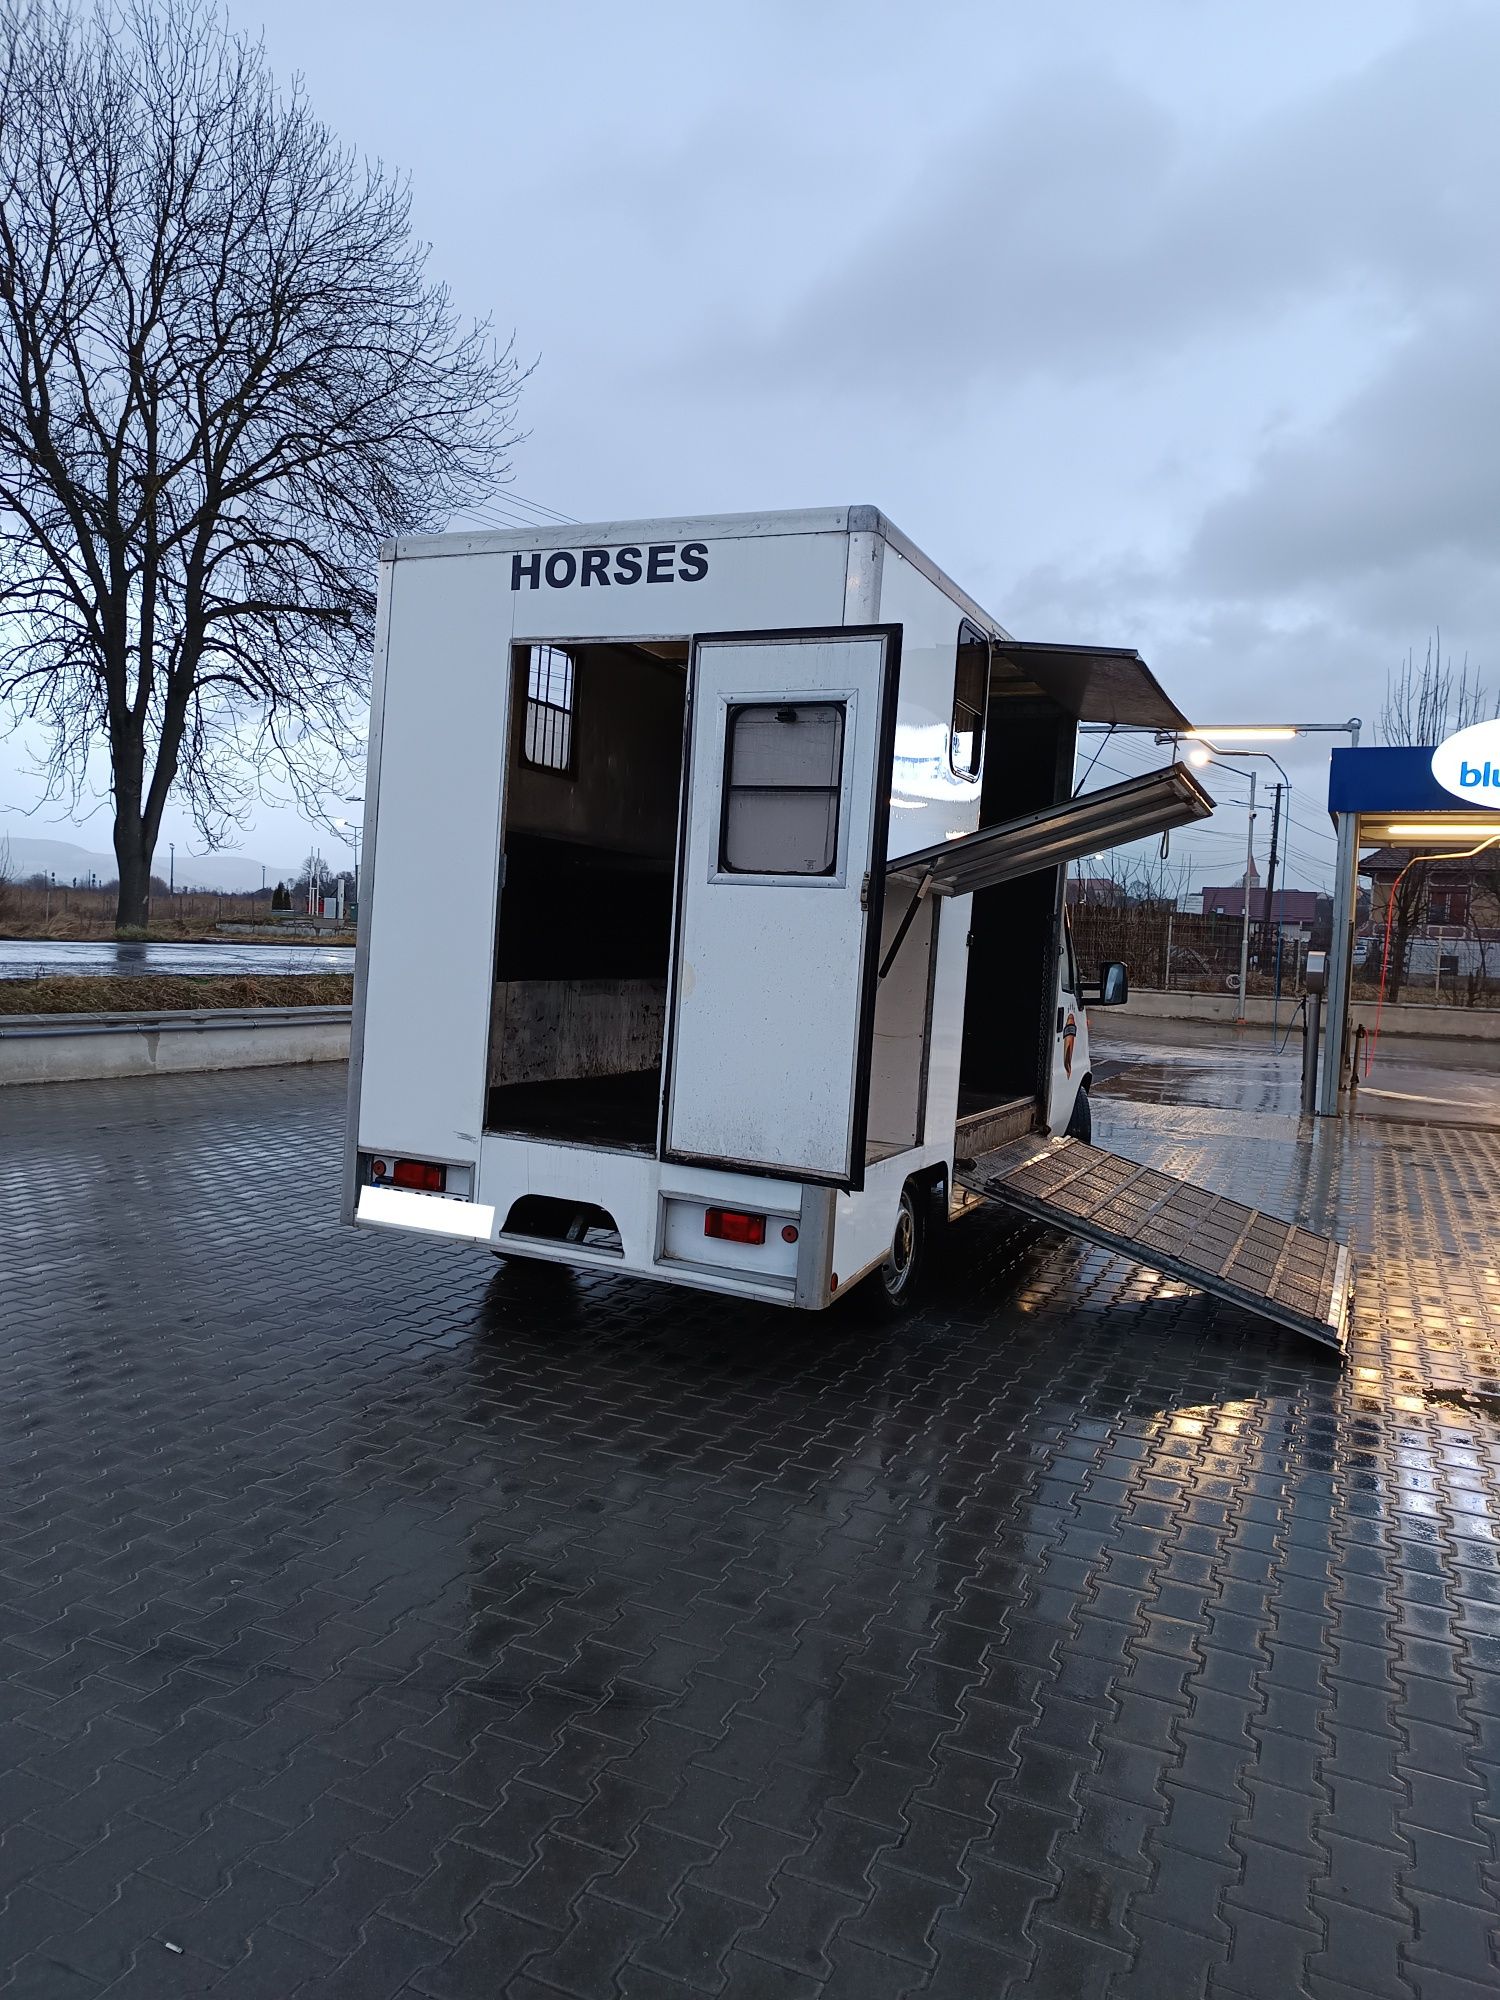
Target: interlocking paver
point(376, 1620)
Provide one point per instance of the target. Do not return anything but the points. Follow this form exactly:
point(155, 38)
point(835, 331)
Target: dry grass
point(160, 992)
point(66, 913)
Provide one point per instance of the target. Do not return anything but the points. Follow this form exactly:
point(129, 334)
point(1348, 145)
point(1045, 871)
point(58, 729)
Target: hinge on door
point(864, 891)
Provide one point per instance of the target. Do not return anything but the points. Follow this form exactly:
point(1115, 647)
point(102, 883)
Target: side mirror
point(1114, 985)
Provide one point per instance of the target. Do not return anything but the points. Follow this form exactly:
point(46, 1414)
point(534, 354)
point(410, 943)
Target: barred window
point(547, 739)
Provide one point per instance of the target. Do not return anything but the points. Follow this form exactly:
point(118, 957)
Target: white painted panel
point(768, 973)
point(900, 1025)
point(747, 584)
point(430, 905)
point(930, 803)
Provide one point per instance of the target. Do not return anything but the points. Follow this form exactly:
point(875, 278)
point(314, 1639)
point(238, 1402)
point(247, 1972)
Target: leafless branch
point(224, 375)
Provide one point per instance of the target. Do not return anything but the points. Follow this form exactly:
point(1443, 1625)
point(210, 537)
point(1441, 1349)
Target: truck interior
point(1005, 1057)
point(578, 1010)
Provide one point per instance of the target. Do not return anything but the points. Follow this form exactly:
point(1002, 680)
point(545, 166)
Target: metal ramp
point(1273, 1268)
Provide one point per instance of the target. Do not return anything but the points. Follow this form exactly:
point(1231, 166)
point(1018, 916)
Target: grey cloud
point(1083, 228)
point(1402, 475)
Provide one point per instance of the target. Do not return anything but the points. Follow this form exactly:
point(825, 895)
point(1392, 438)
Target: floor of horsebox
point(617, 1113)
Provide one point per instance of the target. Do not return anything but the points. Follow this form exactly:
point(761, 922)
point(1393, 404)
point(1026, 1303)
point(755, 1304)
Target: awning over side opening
point(1090, 683)
point(1107, 818)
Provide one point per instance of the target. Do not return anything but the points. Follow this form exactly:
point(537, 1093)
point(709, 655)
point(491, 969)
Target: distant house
point(1458, 898)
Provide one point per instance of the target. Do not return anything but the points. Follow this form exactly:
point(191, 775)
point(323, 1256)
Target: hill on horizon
point(226, 873)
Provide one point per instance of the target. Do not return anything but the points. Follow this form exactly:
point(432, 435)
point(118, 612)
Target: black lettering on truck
point(661, 562)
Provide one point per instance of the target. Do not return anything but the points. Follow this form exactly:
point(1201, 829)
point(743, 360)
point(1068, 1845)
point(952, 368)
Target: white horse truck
point(713, 924)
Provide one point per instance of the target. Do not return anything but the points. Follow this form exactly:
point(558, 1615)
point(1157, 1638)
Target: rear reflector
point(420, 1174)
point(731, 1225)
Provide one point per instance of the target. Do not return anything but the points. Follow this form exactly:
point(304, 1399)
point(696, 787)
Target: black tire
point(1081, 1124)
point(898, 1285)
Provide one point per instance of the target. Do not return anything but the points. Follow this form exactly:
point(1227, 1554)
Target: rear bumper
point(658, 1213)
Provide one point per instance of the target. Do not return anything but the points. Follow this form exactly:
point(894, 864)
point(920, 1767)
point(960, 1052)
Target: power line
point(510, 510)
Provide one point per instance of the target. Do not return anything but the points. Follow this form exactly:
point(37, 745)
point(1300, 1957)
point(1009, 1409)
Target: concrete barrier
point(73, 1048)
point(1469, 1024)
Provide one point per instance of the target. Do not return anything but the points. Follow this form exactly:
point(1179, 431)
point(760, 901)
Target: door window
point(783, 766)
point(971, 694)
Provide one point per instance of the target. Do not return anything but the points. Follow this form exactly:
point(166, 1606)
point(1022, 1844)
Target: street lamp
point(353, 830)
point(1201, 756)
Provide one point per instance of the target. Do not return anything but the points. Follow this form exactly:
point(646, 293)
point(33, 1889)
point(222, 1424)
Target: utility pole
point(1245, 927)
point(171, 867)
point(1265, 914)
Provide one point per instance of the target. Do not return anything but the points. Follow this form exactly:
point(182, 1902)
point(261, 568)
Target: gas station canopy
point(1389, 796)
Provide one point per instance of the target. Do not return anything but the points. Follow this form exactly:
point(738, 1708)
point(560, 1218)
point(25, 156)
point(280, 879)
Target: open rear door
point(786, 797)
point(1270, 1267)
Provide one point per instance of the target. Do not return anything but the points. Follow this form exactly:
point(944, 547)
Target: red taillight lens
point(733, 1226)
point(420, 1174)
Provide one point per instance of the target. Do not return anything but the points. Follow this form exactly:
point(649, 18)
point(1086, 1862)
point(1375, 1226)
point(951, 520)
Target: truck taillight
point(732, 1225)
point(419, 1174)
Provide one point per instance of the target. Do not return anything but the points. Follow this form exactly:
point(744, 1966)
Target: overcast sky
point(1170, 325)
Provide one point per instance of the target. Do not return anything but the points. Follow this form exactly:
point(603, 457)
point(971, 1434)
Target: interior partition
point(578, 1012)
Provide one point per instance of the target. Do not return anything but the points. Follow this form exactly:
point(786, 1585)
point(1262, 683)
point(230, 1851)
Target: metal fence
point(1177, 949)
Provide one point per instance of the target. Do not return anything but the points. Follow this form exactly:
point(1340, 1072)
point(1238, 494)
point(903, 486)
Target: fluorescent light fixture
point(433, 1214)
point(1423, 830)
point(1235, 734)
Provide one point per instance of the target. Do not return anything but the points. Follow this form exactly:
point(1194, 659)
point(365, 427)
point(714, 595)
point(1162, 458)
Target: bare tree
point(1121, 876)
point(1424, 704)
point(1406, 913)
point(223, 375)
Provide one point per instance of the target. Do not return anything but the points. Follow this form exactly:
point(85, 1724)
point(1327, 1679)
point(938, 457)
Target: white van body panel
point(799, 576)
point(430, 901)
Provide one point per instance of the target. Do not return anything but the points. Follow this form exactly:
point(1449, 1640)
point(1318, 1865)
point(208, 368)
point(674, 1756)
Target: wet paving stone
point(377, 1618)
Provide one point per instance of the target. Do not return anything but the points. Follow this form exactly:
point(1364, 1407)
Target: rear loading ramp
point(1269, 1267)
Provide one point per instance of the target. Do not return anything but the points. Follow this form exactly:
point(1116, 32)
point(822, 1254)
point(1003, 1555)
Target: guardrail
point(72, 1048)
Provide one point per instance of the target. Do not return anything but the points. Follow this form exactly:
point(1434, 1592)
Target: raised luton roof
point(1090, 683)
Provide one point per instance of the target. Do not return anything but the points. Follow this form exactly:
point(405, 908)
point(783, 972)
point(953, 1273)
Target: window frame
point(1447, 891)
point(526, 653)
point(969, 634)
point(842, 703)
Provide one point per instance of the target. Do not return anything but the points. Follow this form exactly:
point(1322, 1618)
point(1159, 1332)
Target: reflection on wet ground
point(37, 958)
point(1445, 1083)
point(378, 1619)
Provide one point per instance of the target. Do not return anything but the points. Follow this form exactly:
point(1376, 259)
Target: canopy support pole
point(1340, 965)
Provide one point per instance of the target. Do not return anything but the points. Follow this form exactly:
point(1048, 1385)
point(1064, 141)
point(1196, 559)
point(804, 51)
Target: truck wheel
point(897, 1285)
point(1081, 1124)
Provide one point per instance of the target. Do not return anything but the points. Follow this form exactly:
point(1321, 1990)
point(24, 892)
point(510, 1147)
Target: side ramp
point(1273, 1268)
